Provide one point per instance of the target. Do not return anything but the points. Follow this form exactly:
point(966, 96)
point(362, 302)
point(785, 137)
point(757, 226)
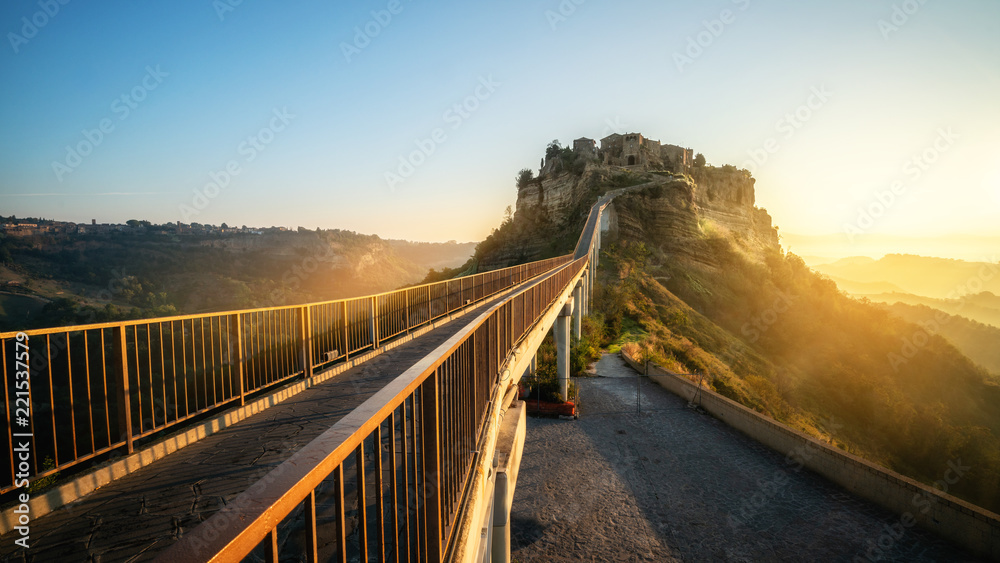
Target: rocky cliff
point(678, 213)
point(682, 214)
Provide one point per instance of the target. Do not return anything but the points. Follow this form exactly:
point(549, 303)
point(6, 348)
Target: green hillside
point(691, 272)
point(62, 279)
point(979, 342)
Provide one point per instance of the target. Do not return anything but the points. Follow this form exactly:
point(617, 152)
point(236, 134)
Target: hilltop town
point(29, 227)
point(634, 151)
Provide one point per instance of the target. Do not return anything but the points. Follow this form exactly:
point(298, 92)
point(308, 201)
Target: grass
point(631, 332)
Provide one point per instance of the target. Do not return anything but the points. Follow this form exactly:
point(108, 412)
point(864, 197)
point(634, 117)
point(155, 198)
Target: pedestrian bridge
point(387, 428)
point(416, 471)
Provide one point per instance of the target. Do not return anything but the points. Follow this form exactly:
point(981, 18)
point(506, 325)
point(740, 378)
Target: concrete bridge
point(379, 428)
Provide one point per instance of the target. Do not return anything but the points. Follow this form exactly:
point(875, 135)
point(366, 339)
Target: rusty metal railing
point(387, 480)
point(101, 387)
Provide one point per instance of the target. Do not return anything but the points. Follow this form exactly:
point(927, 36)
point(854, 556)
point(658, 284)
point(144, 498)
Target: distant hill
point(865, 288)
point(58, 279)
point(939, 278)
point(979, 342)
point(982, 307)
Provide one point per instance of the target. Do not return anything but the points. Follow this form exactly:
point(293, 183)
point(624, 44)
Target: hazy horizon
point(410, 121)
point(817, 249)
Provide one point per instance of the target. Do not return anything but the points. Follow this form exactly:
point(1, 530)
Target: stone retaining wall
point(970, 526)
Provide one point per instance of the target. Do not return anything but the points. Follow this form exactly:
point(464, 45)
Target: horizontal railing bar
point(197, 366)
point(133, 322)
point(235, 535)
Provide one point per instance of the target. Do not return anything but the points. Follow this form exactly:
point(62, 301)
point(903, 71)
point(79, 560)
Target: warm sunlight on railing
point(101, 387)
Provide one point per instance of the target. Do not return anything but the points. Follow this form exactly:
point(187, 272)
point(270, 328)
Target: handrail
point(111, 324)
point(394, 470)
point(430, 418)
point(98, 388)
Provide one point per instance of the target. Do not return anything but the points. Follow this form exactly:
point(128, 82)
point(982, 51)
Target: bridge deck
point(134, 518)
point(662, 486)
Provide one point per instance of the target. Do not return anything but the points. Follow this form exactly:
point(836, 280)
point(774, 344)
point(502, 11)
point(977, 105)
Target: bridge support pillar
point(578, 310)
point(561, 332)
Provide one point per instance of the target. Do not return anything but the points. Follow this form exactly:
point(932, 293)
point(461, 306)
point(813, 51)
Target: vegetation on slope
point(978, 341)
point(782, 340)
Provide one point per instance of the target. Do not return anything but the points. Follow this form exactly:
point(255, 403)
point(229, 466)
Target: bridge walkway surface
point(139, 515)
point(674, 484)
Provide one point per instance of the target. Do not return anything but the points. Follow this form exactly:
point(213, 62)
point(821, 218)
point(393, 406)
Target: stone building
point(586, 147)
point(632, 150)
point(677, 158)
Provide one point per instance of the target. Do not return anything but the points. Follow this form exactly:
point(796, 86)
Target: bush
point(524, 177)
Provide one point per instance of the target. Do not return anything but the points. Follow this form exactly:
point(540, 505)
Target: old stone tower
point(632, 150)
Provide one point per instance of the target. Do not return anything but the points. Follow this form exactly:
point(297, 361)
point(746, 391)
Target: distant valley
point(955, 299)
point(59, 278)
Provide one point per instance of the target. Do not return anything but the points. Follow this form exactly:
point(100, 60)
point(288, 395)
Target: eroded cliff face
point(676, 214)
point(548, 217)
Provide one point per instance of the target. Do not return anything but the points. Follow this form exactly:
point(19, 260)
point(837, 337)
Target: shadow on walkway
point(673, 484)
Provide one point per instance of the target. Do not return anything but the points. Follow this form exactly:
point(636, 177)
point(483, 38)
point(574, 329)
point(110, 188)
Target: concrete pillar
point(593, 269)
point(597, 249)
point(561, 330)
point(578, 310)
point(500, 550)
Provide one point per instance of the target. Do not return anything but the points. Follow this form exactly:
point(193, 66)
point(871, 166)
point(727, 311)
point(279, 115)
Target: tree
point(553, 149)
point(699, 160)
point(132, 223)
point(224, 226)
point(524, 177)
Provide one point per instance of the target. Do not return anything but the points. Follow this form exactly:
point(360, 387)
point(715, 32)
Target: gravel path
point(673, 484)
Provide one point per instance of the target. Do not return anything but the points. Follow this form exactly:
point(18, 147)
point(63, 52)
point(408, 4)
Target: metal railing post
point(124, 400)
point(347, 342)
point(236, 334)
point(305, 336)
point(374, 302)
point(430, 436)
point(406, 308)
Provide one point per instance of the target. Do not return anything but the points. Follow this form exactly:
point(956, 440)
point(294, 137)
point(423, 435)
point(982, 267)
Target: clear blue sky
point(597, 67)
